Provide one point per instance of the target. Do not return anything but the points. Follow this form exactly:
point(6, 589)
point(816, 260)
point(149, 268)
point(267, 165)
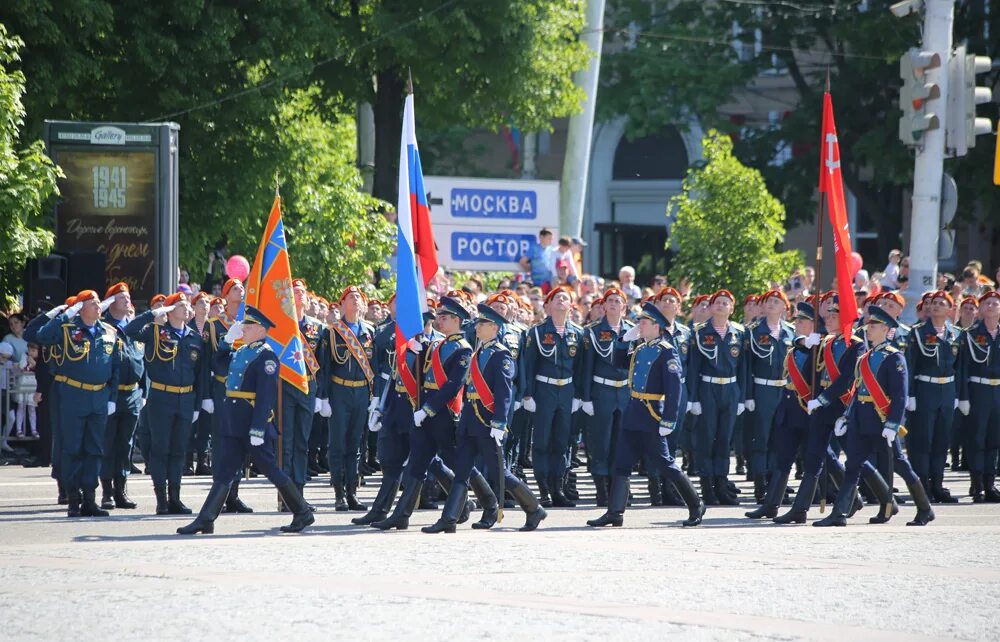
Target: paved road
point(129, 577)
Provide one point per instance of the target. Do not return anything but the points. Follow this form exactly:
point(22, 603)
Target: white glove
point(256, 441)
point(317, 405)
point(529, 404)
point(696, 408)
point(632, 334)
point(889, 435)
point(497, 434)
point(418, 417)
point(517, 406)
point(374, 421)
point(325, 410)
point(112, 406)
point(74, 310)
point(54, 312)
point(373, 405)
point(142, 402)
point(234, 333)
point(208, 406)
point(840, 428)
point(106, 303)
point(194, 417)
point(577, 404)
point(588, 407)
point(414, 345)
point(750, 404)
point(664, 431)
point(740, 408)
point(813, 339)
point(911, 404)
point(964, 407)
point(162, 310)
point(813, 405)
point(956, 405)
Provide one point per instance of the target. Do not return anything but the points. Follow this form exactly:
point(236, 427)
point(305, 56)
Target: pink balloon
point(856, 262)
point(237, 267)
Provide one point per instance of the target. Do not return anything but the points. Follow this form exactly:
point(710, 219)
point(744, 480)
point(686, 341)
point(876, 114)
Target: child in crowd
point(27, 396)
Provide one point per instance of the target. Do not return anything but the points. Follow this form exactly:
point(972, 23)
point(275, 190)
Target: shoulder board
point(69, 324)
point(665, 344)
point(904, 327)
point(366, 325)
point(856, 339)
point(265, 347)
point(500, 346)
point(786, 324)
point(628, 323)
point(108, 327)
point(738, 326)
point(698, 326)
point(891, 349)
point(572, 326)
point(592, 324)
point(214, 319)
point(753, 324)
point(312, 320)
point(918, 324)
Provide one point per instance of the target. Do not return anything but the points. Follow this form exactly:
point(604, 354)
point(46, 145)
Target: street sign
point(488, 224)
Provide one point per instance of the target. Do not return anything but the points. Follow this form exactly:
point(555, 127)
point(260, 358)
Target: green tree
point(27, 180)
point(728, 226)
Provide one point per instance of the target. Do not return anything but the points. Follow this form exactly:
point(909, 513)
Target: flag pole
point(280, 414)
point(819, 280)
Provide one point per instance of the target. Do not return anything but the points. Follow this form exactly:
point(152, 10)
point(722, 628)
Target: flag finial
point(828, 79)
point(409, 80)
point(277, 182)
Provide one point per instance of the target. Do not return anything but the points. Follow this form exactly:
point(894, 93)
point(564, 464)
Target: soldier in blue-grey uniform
point(128, 400)
point(669, 302)
point(247, 425)
point(876, 413)
point(654, 375)
point(88, 379)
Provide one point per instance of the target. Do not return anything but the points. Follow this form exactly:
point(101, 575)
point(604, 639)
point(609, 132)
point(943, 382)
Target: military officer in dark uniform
point(128, 400)
point(88, 378)
point(178, 376)
point(248, 424)
point(653, 411)
point(894, 303)
point(875, 414)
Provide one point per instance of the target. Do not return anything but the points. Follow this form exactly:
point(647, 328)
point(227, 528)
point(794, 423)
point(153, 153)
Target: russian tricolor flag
point(416, 255)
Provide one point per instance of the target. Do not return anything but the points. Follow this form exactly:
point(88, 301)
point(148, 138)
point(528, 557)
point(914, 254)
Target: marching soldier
point(875, 413)
point(716, 388)
point(247, 426)
point(893, 303)
point(177, 373)
point(550, 392)
point(652, 413)
point(88, 377)
point(979, 396)
point(767, 343)
point(930, 360)
point(346, 359)
point(128, 400)
point(669, 302)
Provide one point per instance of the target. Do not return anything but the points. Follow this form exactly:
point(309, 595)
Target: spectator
point(659, 282)
point(564, 252)
point(540, 262)
point(904, 274)
point(15, 338)
point(564, 274)
point(861, 280)
point(808, 278)
point(970, 282)
point(6, 376)
point(183, 276)
point(578, 245)
point(27, 396)
point(890, 278)
point(626, 278)
point(217, 263)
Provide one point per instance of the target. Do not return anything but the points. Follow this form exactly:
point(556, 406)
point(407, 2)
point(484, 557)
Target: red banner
point(831, 184)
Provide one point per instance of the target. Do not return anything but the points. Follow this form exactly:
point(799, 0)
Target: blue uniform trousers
point(517, 442)
point(201, 433)
point(347, 424)
point(818, 450)
point(118, 443)
point(469, 449)
point(983, 426)
point(393, 449)
point(169, 417)
point(55, 410)
point(788, 436)
point(761, 423)
point(633, 444)
point(296, 425)
point(83, 418)
point(553, 423)
point(142, 435)
point(929, 428)
point(715, 428)
point(231, 453)
point(865, 440)
point(602, 429)
point(434, 437)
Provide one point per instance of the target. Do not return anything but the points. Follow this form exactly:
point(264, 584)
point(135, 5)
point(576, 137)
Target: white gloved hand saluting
point(813, 405)
point(813, 339)
point(911, 404)
point(418, 417)
point(234, 333)
point(162, 310)
point(208, 405)
point(588, 407)
point(106, 303)
point(529, 404)
point(74, 310)
point(54, 312)
point(632, 334)
point(840, 428)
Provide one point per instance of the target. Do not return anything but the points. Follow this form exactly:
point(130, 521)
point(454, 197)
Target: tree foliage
point(728, 226)
point(27, 180)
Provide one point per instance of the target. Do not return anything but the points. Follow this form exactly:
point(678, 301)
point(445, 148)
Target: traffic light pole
point(929, 167)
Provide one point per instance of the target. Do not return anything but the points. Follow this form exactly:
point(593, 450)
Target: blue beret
point(486, 313)
point(878, 315)
point(453, 306)
point(252, 315)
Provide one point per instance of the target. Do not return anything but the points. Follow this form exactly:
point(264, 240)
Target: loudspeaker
point(86, 272)
point(45, 283)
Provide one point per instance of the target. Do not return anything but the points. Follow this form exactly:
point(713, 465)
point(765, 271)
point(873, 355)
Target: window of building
point(658, 157)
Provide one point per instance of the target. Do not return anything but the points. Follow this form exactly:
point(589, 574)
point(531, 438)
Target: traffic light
point(915, 95)
point(963, 96)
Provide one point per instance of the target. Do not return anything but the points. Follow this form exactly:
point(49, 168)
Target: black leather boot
point(941, 494)
point(759, 487)
point(990, 492)
point(162, 506)
point(803, 500)
point(722, 492)
point(203, 469)
point(601, 488)
point(533, 511)
point(400, 518)
point(352, 497)
point(73, 503)
point(340, 504)
point(174, 502)
point(884, 495)
point(89, 507)
point(61, 498)
point(708, 491)
point(426, 501)
point(976, 488)
point(302, 491)
point(671, 497)
point(558, 499)
point(302, 516)
point(383, 500)
point(569, 487)
point(925, 514)
point(487, 500)
point(696, 507)
point(452, 508)
point(543, 491)
point(107, 499)
point(205, 521)
point(616, 504)
point(120, 494)
point(835, 518)
point(741, 468)
point(233, 503)
point(768, 508)
point(653, 485)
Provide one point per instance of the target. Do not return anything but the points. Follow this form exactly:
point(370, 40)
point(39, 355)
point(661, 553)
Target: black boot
point(976, 488)
point(203, 469)
point(174, 502)
point(759, 487)
point(61, 498)
point(383, 500)
point(768, 508)
point(616, 504)
point(708, 492)
point(120, 495)
point(205, 522)
point(340, 504)
point(803, 500)
point(400, 518)
point(188, 465)
point(671, 497)
point(925, 514)
point(884, 495)
point(696, 507)
point(940, 493)
point(302, 516)
point(722, 492)
point(73, 503)
point(601, 486)
point(233, 503)
point(569, 487)
point(543, 491)
point(89, 507)
point(487, 500)
point(559, 500)
point(107, 501)
point(835, 518)
point(655, 494)
point(452, 507)
point(426, 501)
point(302, 491)
point(352, 497)
point(162, 506)
point(990, 492)
point(740, 465)
point(533, 511)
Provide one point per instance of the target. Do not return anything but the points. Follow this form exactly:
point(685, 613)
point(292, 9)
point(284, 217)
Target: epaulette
point(313, 320)
point(572, 326)
point(698, 326)
point(666, 344)
point(108, 327)
point(891, 349)
point(366, 324)
point(786, 324)
point(592, 324)
point(514, 326)
point(918, 324)
point(904, 327)
point(753, 324)
point(856, 339)
point(739, 326)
